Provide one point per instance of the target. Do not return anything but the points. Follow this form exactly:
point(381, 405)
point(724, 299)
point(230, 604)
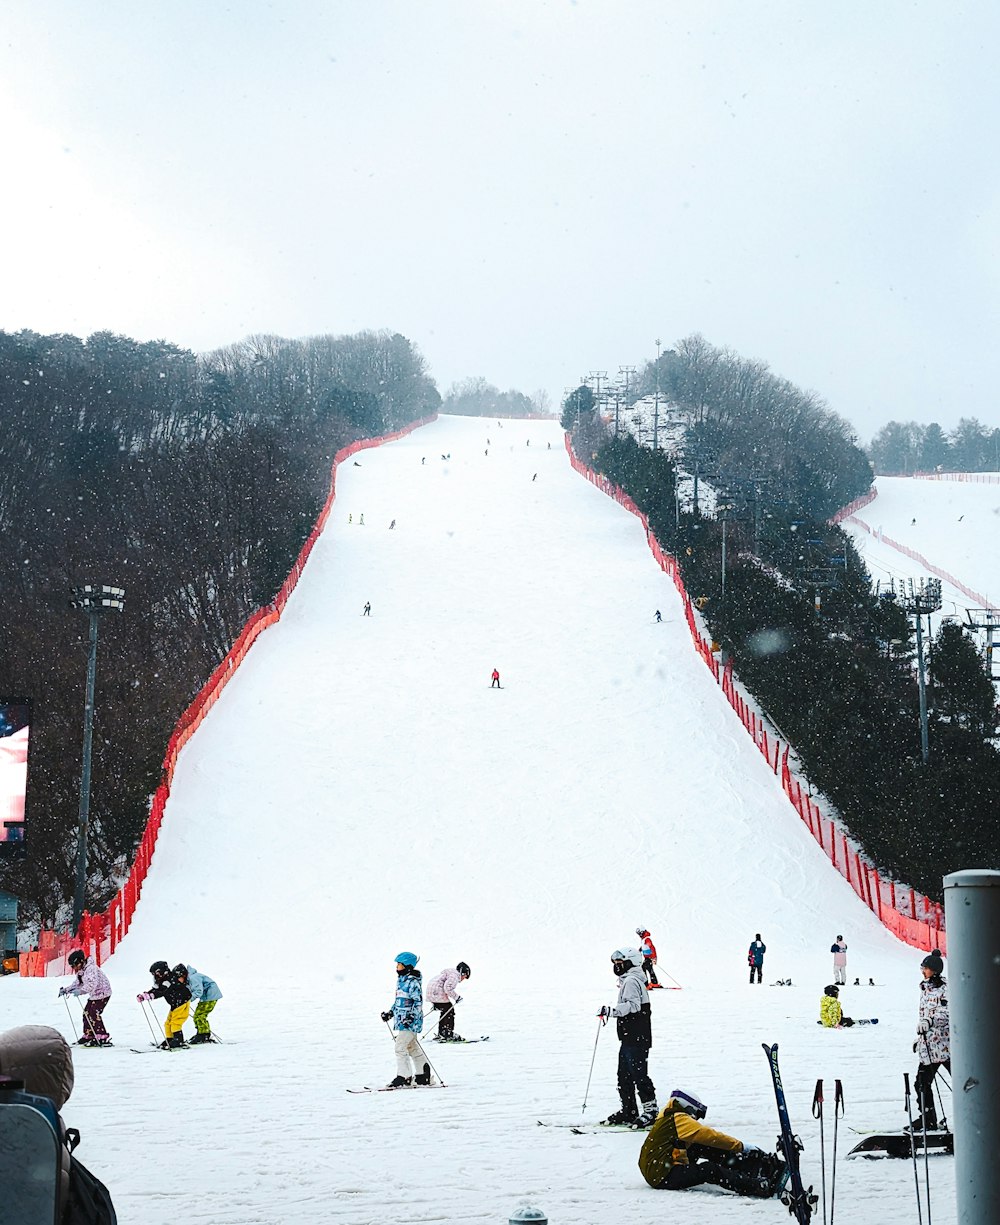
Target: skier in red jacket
point(496, 679)
point(648, 950)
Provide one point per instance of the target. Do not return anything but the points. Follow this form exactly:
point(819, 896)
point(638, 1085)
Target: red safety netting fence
point(968, 478)
point(910, 916)
point(99, 934)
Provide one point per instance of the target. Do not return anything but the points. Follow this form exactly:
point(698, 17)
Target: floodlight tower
point(93, 600)
point(917, 601)
point(987, 619)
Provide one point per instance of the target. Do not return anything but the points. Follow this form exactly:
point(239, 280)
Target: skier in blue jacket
point(206, 991)
point(407, 1016)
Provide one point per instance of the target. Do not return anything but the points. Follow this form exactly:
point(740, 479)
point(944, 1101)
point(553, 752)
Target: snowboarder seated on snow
point(407, 1016)
point(205, 994)
point(170, 985)
point(680, 1153)
point(648, 950)
point(442, 991)
point(92, 982)
point(933, 1044)
point(831, 1012)
point(635, 1032)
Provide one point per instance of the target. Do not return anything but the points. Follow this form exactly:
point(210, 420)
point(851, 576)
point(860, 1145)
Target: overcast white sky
point(527, 189)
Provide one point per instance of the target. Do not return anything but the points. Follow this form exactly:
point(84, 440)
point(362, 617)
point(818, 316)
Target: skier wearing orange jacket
point(648, 950)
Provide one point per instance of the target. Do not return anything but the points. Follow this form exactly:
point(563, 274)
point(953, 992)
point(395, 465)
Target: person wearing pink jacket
point(442, 991)
point(92, 982)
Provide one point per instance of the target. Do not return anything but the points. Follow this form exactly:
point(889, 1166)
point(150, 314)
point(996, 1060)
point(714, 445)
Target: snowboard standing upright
point(796, 1198)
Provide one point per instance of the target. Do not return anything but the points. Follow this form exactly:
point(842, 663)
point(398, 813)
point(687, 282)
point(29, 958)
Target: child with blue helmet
point(407, 1017)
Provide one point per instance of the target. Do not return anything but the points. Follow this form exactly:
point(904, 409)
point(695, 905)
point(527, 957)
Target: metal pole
point(972, 917)
point(88, 736)
point(924, 748)
point(724, 521)
point(656, 399)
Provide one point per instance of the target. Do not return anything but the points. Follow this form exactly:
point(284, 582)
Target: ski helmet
point(463, 968)
point(689, 1104)
point(179, 971)
point(933, 962)
point(159, 969)
point(407, 959)
point(77, 958)
point(832, 990)
point(629, 956)
point(642, 931)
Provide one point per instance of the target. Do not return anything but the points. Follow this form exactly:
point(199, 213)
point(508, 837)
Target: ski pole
point(818, 1114)
point(71, 1021)
point(428, 1062)
point(586, 1093)
point(667, 974)
point(913, 1148)
point(838, 1112)
point(156, 1036)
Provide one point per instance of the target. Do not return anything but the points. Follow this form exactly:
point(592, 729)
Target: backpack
point(88, 1202)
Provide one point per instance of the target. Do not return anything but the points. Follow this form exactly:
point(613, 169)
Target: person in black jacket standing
point(635, 1032)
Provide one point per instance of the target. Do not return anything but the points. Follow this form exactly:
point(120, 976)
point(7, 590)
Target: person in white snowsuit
point(839, 951)
point(933, 1044)
point(442, 991)
point(635, 1032)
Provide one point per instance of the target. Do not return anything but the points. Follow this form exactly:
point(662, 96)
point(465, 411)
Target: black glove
point(386, 1016)
point(605, 1012)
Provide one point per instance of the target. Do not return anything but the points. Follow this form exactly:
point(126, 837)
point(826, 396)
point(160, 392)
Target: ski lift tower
point(918, 600)
point(987, 619)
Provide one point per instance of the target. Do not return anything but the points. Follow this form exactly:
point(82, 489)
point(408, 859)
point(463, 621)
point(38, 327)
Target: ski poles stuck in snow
point(913, 1150)
point(817, 1109)
point(838, 1113)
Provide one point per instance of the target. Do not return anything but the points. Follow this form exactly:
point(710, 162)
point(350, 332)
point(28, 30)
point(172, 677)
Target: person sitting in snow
point(442, 991)
point(680, 1152)
point(92, 982)
point(831, 1012)
point(407, 1017)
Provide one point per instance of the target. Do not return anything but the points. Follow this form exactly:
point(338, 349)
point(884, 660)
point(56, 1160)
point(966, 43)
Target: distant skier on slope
point(831, 1012)
point(659, 618)
point(442, 991)
point(839, 951)
point(407, 1017)
point(495, 683)
point(648, 950)
point(367, 610)
point(92, 982)
point(635, 1033)
point(680, 1152)
point(933, 1044)
point(755, 957)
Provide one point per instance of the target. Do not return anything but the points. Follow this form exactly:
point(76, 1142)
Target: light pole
point(93, 600)
point(918, 601)
point(656, 398)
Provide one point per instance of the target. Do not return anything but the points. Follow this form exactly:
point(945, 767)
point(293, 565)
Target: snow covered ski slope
point(361, 789)
point(952, 524)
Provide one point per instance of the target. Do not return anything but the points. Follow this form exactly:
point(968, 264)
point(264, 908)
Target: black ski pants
point(924, 1085)
point(647, 965)
point(446, 1025)
point(633, 1076)
point(732, 1172)
point(758, 970)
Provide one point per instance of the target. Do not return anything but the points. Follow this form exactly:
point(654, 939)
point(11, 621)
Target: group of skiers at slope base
point(406, 1016)
point(679, 1151)
point(178, 986)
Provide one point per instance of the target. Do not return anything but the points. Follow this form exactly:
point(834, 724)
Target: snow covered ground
point(954, 525)
point(360, 789)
